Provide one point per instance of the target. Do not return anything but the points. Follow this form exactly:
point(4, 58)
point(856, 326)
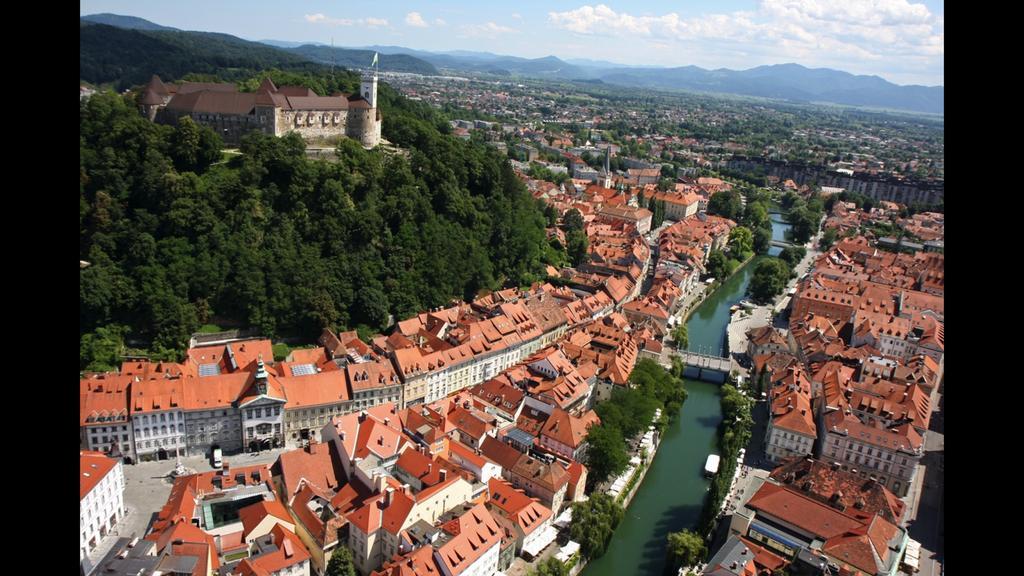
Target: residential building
point(565, 434)
point(529, 519)
point(791, 430)
point(313, 398)
point(277, 553)
point(158, 422)
point(101, 498)
point(103, 414)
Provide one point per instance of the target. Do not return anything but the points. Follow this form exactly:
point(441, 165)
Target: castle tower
point(368, 88)
point(608, 167)
point(154, 97)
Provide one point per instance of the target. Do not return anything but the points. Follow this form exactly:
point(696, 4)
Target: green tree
point(804, 224)
point(769, 279)
point(551, 567)
point(726, 204)
point(828, 238)
point(193, 147)
point(572, 220)
point(606, 452)
point(685, 548)
point(756, 215)
point(741, 242)
point(101, 351)
point(577, 246)
point(792, 255)
point(593, 523)
point(341, 563)
point(762, 240)
point(681, 336)
point(717, 265)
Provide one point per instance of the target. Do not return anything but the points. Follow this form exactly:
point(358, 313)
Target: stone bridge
point(703, 366)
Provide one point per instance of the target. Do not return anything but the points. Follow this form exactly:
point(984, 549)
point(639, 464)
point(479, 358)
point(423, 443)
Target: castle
point(270, 109)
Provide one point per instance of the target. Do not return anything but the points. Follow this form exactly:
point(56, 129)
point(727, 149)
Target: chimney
point(387, 421)
point(444, 474)
point(388, 492)
point(362, 416)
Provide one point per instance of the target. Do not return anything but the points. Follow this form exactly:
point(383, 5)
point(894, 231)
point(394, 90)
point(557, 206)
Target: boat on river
point(711, 466)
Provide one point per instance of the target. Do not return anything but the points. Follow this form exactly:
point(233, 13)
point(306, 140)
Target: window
point(163, 417)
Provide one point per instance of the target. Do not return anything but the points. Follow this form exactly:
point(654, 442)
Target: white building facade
point(102, 506)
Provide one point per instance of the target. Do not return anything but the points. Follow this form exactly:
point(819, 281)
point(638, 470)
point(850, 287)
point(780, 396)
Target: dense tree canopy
point(685, 548)
point(792, 255)
point(727, 204)
point(628, 413)
point(594, 522)
point(606, 453)
point(551, 567)
point(741, 242)
point(289, 245)
point(769, 279)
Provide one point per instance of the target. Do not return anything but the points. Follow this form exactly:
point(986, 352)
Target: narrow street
point(925, 517)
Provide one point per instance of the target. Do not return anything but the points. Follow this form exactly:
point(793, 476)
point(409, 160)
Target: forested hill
point(130, 57)
point(177, 238)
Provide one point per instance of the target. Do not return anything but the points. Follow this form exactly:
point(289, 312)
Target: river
point(672, 494)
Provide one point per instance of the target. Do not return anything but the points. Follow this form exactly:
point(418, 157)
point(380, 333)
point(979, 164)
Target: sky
point(899, 40)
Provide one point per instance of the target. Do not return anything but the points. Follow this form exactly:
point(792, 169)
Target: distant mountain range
point(116, 55)
point(352, 58)
point(129, 51)
point(791, 82)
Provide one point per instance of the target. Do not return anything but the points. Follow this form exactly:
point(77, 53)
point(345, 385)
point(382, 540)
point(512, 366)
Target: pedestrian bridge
point(783, 244)
point(704, 366)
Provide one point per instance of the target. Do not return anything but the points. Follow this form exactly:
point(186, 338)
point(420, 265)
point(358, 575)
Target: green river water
point(673, 492)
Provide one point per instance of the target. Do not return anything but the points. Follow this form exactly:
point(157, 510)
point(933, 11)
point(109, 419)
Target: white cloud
point(440, 22)
point(517, 15)
point(416, 20)
point(327, 20)
point(487, 30)
point(847, 34)
point(321, 19)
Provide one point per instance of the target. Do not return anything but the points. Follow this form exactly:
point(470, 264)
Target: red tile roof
point(319, 389)
point(290, 551)
point(525, 512)
point(314, 463)
point(475, 533)
point(252, 515)
point(801, 511)
point(568, 429)
point(94, 466)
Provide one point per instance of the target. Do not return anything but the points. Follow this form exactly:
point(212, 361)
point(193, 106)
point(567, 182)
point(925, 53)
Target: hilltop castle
point(269, 109)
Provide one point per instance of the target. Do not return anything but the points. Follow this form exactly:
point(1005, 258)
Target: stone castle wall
point(313, 125)
point(230, 127)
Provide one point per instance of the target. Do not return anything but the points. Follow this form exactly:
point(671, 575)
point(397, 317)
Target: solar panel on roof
point(303, 369)
point(209, 369)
